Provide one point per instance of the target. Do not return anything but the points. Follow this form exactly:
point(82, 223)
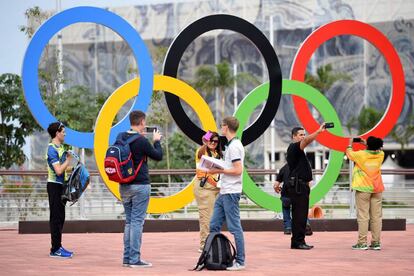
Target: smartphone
point(150, 129)
point(357, 140)
point(329, 125)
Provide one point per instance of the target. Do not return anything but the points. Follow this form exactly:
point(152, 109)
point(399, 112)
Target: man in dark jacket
point(298, 185)
point(136, 194)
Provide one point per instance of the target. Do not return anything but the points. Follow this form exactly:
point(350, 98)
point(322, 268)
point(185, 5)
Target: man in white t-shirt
point(226, 207)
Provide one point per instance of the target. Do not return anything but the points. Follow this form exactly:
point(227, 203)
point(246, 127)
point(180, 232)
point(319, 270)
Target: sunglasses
point(214, 141)
point(60, 126)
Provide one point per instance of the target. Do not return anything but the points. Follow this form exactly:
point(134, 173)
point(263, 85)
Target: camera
point(151, 129)
point(329, 125)
point(203, 181)
point(357, 140)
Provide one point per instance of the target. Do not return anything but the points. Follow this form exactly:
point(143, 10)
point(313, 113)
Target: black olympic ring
point(236, 24)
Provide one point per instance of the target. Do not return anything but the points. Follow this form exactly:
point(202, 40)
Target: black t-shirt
point(298, 162)
point(283, 176)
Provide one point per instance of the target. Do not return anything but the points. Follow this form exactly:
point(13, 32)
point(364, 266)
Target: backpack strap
point(129, 141)
point(132, 138)
point(233, 253)
point(209, 241)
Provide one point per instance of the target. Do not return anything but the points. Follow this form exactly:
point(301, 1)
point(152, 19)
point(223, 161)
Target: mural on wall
point(96, 57)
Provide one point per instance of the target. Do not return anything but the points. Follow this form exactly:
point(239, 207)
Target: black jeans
point(300, 208)
point(57, 214)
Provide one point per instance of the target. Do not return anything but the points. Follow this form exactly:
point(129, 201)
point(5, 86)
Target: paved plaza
point(174, 253)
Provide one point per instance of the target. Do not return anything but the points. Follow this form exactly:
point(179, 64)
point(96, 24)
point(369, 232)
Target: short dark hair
point(374, 143)
point(232, 123)
point(136, 117)
point(55, 127)
point(295, 130)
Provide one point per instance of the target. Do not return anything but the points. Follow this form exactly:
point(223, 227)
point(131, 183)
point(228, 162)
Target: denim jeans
point(287, 219)
point(226, 208)
point(135, 199)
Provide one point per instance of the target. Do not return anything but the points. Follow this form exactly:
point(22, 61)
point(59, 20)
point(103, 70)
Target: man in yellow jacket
point(368, 186)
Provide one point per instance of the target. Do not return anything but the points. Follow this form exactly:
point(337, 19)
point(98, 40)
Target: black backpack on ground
point(218, 253)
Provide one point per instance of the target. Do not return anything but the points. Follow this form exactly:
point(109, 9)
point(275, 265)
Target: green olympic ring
point(291, 87)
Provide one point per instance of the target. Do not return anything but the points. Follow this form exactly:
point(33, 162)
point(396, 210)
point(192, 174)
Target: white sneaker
point(236, 266)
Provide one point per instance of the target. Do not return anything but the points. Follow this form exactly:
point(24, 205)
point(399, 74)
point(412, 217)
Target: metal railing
point(23, 196)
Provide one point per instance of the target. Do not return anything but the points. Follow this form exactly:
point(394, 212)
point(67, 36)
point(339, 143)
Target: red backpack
point(119, 165)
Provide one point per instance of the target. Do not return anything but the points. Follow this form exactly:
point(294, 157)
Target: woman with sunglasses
point(205, 187)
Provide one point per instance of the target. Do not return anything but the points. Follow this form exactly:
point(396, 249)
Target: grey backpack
point(218, 253)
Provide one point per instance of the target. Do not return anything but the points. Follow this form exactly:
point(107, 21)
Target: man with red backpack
point(135, 194)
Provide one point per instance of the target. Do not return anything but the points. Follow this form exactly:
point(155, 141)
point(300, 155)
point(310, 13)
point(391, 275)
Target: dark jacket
point(283, 177)
point(298, 162)
point(142, 148)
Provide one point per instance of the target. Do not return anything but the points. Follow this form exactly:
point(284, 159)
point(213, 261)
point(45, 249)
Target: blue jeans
point(286, 211)
point(287, 219)
point(135, 199)
point(226, 208)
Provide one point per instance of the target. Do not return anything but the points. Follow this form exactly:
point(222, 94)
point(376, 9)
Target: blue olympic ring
point(42, 37)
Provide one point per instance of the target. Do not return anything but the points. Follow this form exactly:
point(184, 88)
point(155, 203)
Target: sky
point(14, 42)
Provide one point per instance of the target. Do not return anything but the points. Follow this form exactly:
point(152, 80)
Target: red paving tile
point(267, 253)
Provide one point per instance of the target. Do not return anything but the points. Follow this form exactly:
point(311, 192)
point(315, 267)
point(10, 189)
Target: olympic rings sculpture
point(142, 88)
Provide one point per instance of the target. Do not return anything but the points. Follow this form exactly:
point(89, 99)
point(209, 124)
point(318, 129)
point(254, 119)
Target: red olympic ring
point(366, 31)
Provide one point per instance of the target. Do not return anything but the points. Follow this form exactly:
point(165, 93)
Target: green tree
point(78, 107)
point(16, 121)
point(182, 156)
point(404, 134)
point(325, 78)
point(368, 118)
point(220, 76)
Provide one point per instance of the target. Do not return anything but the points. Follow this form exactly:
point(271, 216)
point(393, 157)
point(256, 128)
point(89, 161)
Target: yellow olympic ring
point(108, 113)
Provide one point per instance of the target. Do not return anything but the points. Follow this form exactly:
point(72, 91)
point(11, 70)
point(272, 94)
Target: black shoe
point(287, 231)
point(302, 246)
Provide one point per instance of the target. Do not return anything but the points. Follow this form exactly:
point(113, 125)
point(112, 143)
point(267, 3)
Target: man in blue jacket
point(135, 195)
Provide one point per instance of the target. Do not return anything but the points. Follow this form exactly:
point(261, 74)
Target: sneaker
point(67, 251)
point(200, 250)
point(287, 231)
point(375, 246)
point(125, 264)
point(60, 254)
point(141, 263)
point(236, 266)
point(360, 246)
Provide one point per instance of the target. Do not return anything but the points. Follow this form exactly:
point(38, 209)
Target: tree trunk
point(223, 102)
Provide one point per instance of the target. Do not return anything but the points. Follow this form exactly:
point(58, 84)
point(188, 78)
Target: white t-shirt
point(232, 184)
